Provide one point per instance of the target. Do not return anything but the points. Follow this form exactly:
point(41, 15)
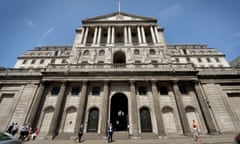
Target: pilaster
point(105, 103)
point(181, 109)
point(58, 111)
point(134, 111)
point(81, 106)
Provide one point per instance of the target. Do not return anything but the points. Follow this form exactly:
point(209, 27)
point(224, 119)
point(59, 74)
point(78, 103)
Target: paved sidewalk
point(222, 139)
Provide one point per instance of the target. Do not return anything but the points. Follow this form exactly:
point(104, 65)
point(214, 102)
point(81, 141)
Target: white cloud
point(48, 32)
point(29, 23)
point(170, 12)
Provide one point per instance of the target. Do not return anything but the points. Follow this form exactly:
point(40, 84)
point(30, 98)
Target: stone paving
point(222, 139)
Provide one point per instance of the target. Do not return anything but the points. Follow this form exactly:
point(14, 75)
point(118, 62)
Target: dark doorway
point(119, 57)
point(119, 112)
point(146, 124)
point(93, 120)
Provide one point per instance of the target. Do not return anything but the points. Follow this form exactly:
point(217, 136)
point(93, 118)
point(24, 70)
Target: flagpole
point(119, 7)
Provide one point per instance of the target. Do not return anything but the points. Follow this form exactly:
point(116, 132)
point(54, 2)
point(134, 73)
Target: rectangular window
point(52, 61)
point(163, 90)
point(142, 90)
point(217, 59)
point(24, 62)
point(96, 90)
point(33, 61)
point(199, 60)
point(41, 61)
point(55, 90)
point(183, 89)
point(75, 91)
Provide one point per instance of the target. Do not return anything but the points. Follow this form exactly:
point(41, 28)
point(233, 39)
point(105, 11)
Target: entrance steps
point(120, 135)
point(65, 136)
point(148, 135)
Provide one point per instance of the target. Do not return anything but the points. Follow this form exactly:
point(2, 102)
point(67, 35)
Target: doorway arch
point(92, 125)
point(145, 119)
point(119, 58)
point(119, 112)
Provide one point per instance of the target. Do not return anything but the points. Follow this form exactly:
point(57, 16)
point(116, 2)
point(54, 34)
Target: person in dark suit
point(80, 133)
point(110, 132)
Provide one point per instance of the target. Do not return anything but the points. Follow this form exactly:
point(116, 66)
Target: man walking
point(110, 132)
point(80, 133)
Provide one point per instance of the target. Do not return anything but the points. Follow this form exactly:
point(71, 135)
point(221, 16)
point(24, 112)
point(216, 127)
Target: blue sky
point(26, 24)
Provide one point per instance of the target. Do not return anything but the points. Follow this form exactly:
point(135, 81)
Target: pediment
point(119, 16)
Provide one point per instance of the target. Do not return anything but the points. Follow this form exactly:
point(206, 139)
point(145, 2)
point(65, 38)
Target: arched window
point(86, 53)
point(101, 53)
point(152, 52)
point(136, 52)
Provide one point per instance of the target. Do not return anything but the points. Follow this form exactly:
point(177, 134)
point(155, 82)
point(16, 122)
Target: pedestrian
point(110, 132)
point(10, 127)
point(195, 133)
point(194, 123)
point(35, 134)
point(80, 133)
point(14, 129)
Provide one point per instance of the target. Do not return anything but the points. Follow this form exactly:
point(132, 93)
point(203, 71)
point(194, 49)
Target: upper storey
point(119, 29)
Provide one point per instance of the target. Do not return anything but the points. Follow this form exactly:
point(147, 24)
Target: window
point(199, 60)
point(86, 53)
point(163, 90)
point(96, 90)
point(41, 61)
point(217, 59)
point(55, 90)
point(208, 60)
point(152, 52)
point(136, 52)
point(137, 62)
point(142, 90)
point(177, 60)
point(154, 62)
point(75, 91)
point(52, 61)
point(33, 61)
point(84, 62)
point(100, 62)
point(101, 53)
point(24, 62)
point(64, 61)
point(183, 89)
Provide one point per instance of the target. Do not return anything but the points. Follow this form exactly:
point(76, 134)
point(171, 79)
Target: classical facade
point(121, 70)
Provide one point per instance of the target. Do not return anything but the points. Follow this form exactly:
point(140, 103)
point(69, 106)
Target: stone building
point(121, 70)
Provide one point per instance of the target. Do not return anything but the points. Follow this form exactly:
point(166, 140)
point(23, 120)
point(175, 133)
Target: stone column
point(134, 110)
point(204, 109)
point(181, 109)
point(95, 35)
point(99, 35)
point(157, 36)
point(130, 35)
point(81, 106)
point(143, 35)
point(85, 35)
point(139, 35)
point(158, 112)
point(57, 111)
point(104, 112)
point(109, 35)
point(125, 35)
point(113, 35)
point(153, 35)
point(36, 104)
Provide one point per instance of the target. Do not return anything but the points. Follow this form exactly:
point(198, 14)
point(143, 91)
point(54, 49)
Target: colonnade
point(133, 109)
point(127, 31)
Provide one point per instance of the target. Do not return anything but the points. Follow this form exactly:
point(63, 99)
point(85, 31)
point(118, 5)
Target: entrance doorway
point(119, 112)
